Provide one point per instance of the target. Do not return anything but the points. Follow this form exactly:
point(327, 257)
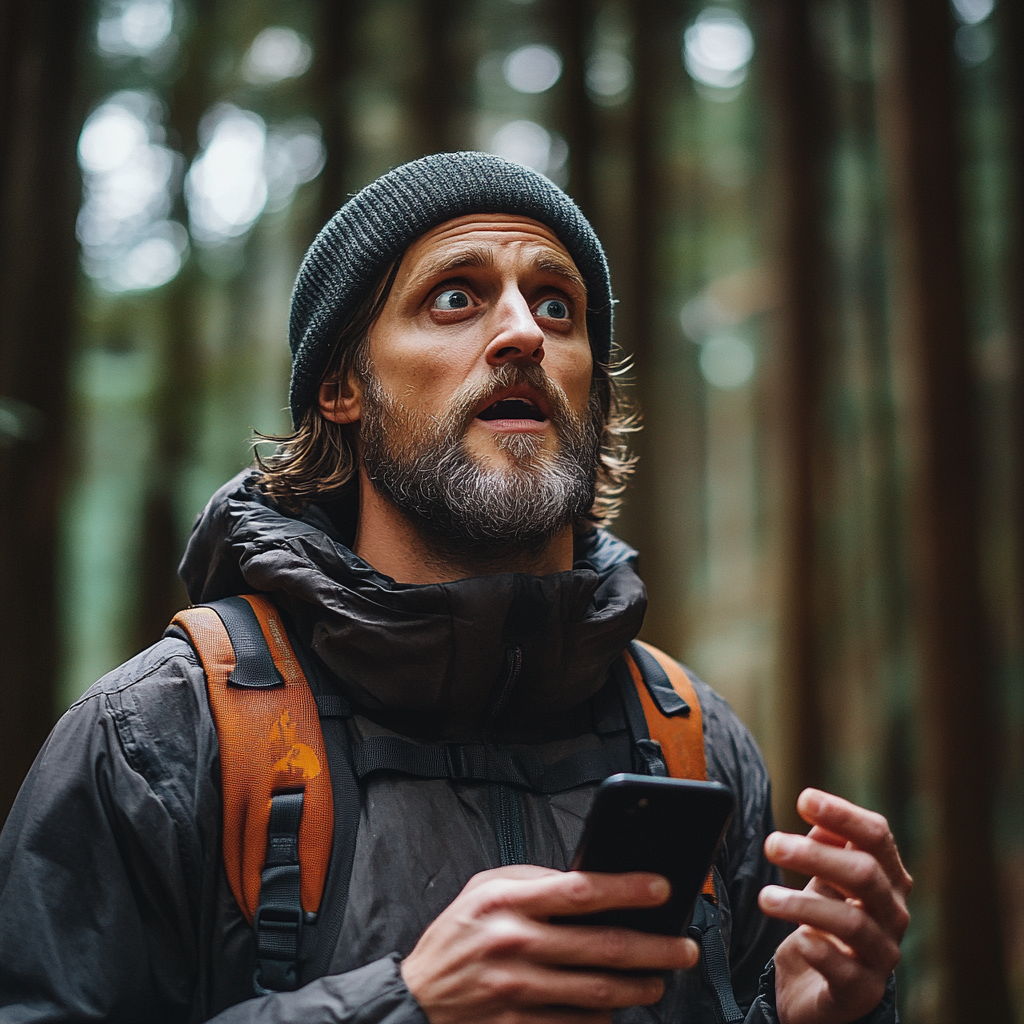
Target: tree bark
point(800, 123)
point(957, 692)
point(572, 22)
point(39, 51)
point(653, 514)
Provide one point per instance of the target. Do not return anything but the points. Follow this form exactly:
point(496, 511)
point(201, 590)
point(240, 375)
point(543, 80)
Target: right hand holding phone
point(493, 951)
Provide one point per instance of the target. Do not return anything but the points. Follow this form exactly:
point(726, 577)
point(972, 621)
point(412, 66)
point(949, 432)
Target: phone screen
point(671, 827)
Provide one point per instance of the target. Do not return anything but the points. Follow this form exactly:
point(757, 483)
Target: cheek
point(412, 366)
point(573, 373)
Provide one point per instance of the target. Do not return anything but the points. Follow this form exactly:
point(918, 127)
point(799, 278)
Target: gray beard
point(474, 514)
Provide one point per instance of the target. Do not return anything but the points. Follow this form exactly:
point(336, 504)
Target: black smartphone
point(672, 827)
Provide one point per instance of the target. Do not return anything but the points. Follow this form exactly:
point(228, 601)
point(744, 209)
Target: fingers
point(851, 987)
point(519, 871)
point(494, 955)
point(614, 949)
point(518, 984)
point(568, 893)
point(867, 830)
point(509, 937)
point(858, 932)
point(853, 873)
point(830, 838)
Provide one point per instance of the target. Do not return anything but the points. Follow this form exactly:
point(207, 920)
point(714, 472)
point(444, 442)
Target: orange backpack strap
point(673, 715)
point(271, 746)
point(671, 709)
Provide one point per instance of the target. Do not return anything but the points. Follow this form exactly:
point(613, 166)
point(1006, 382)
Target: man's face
point(476, 415)
point(475, 294)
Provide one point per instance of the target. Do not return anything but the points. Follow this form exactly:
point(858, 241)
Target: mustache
point(469, 398)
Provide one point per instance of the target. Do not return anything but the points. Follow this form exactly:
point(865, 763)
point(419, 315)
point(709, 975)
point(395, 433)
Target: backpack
point(290, 821)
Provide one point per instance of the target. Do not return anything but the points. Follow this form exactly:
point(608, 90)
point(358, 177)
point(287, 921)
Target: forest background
point(814, 215)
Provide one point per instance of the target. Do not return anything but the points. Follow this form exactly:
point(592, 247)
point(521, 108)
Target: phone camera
point(642, 802)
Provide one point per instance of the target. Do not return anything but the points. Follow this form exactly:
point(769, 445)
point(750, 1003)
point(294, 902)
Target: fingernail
point(812, 801)
point(659, 889)
point(769, 898)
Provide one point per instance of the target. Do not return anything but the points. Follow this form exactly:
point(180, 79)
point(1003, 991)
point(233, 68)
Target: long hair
point(319, 460)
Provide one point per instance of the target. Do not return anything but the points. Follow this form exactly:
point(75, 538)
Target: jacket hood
point(505, 656)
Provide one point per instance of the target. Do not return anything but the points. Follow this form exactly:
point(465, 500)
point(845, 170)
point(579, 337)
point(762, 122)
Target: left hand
point(851, 915)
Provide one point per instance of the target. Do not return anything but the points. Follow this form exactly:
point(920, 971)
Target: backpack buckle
point(278, 932)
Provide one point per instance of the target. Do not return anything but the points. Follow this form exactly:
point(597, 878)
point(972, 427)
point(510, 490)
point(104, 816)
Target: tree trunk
point(956, 694)
point(796, 90)
point(39, 50)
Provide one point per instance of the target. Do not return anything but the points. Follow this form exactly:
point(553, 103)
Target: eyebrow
point(474, 256)
point(471, 256)
point(561, 268)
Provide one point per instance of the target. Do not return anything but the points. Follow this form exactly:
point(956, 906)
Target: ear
point(341, 401)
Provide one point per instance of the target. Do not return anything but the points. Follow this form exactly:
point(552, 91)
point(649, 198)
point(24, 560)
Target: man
point(428, 533)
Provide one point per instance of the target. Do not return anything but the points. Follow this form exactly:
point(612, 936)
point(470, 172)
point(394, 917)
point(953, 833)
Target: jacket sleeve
point(764, 1010)
point(109, 864)
point(374, 994)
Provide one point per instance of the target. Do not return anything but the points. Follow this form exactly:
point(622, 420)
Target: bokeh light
point(971, 12)
point(244, 169)
point(135, 28)
point(526, 142)
point(532, 69)
point(129, 179)
point(226, 187)
point(277, 53)
point(717, 49)
point(609, 76)
point(974, 44)
point(727, 361)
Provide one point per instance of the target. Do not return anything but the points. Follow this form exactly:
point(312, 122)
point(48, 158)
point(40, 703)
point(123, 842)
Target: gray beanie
point(381, 221)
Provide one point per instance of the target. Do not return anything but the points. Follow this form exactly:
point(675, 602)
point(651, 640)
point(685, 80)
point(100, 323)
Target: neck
point(393, 545)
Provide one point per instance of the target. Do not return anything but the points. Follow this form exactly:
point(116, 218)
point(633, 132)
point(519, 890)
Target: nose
point(518, 338)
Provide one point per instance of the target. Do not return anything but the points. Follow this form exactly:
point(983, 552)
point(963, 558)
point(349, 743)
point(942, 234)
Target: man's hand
point(493, 955)
point(852, 914)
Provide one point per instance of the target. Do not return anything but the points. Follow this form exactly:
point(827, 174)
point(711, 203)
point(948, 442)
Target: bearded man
point(430, 534)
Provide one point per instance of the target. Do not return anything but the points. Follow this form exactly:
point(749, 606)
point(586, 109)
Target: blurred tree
point(439, 97)
point(654, 510)
point(38, 203)
point(176, 409)
point(957, 693)
point(335, 57)
point(1013, 14)
point(572, 26)
point(799, 146)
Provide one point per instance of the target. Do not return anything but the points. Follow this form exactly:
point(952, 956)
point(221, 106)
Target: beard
point(471, 512)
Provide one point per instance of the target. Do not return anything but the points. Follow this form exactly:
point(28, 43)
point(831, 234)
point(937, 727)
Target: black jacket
point(114, 903)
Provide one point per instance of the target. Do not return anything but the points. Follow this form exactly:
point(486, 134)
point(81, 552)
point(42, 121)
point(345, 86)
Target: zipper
point(505, 810)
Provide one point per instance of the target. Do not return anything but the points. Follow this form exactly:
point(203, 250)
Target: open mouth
point(512, 409)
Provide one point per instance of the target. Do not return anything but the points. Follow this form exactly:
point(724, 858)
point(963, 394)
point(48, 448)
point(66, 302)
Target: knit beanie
point(377, 225)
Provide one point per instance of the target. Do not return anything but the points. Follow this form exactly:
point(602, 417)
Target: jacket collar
point(505, 656)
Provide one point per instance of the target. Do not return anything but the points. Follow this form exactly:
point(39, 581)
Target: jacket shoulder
point(153, 717)
point(169, 658)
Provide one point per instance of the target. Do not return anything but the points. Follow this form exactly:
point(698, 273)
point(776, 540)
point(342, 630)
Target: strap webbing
point(279, 918)
point(714, 961)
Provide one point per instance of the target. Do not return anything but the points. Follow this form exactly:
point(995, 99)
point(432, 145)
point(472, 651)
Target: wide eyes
point(456, 298)
point(452, 298)
point(555, 309)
